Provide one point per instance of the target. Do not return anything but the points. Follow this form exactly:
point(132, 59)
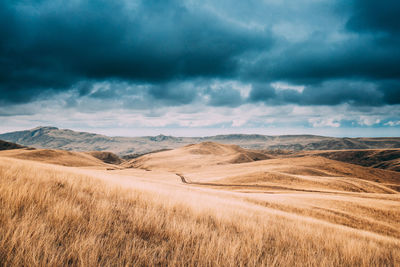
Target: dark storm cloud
point(364, 58)
point(372, 16)
point(347, 52)
point(318, 60)
point(224, 96)
point(54, 44)
point(166, 93)
point(331, 93)
point(173, 94)
point(262, 92)
point(391, 91)
point(364, 46)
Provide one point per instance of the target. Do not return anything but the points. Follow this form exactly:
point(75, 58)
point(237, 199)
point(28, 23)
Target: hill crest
point(4, 145)
point(194, 156)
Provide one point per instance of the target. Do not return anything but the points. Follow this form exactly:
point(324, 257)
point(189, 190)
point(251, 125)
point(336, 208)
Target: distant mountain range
point(54, 138)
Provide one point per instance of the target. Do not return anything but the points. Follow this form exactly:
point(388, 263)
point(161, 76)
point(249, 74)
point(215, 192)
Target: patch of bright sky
point(285, 86)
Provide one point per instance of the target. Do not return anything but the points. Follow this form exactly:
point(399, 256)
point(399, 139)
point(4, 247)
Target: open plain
point(202, 204)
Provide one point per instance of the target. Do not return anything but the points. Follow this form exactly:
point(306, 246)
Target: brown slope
point(197, 156)
point(308, 173)
point(377, 158)
point(58, 157)
point(106, 157)
point(4, 145)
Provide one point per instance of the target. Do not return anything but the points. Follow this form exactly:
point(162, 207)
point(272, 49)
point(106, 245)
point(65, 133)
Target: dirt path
point(251, 186)
point(182, 178)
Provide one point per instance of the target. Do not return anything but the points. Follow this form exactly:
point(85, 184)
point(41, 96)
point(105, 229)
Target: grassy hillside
point(51, 216)
point(7, 145)
point(377, 158)
point(61, 157)
point(196, 156)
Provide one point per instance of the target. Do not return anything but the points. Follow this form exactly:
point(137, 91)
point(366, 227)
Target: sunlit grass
point(52, 217)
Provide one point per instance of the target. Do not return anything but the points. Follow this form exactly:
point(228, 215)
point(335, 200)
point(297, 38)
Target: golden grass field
point(201, 205)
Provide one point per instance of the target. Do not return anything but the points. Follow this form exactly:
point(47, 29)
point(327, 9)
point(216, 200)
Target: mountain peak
point(162, 137)
point(42, 128)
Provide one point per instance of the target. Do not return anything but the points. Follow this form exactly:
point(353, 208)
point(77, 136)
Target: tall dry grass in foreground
point(55, 218)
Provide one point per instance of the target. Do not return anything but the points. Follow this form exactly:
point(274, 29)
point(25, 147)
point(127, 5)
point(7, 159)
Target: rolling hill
point(196, 156)
point(388, 159)
point(63, 158)
point(58, 216)
point(8, 145)
point(54, 138)
point(204, 197)
point(230, 166)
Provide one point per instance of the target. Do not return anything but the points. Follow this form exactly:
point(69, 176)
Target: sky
point(196, 68)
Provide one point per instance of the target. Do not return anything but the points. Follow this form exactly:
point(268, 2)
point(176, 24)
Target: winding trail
point(182, 178)
point(275, 187)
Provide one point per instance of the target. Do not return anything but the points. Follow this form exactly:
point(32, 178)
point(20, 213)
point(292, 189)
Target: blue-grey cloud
point(334, 92)
point(169, 52)
point(373, 16)
point(50, 45)
point(317, 60)
point(173, 94)
point(391, 91)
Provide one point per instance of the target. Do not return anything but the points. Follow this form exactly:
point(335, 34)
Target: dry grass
point(59, 157)
point(196, 156)
point(55, 218)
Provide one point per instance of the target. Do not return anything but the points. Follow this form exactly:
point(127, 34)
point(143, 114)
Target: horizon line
point(163, 133)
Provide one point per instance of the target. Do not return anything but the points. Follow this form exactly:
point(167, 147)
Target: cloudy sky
point(201, 67)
